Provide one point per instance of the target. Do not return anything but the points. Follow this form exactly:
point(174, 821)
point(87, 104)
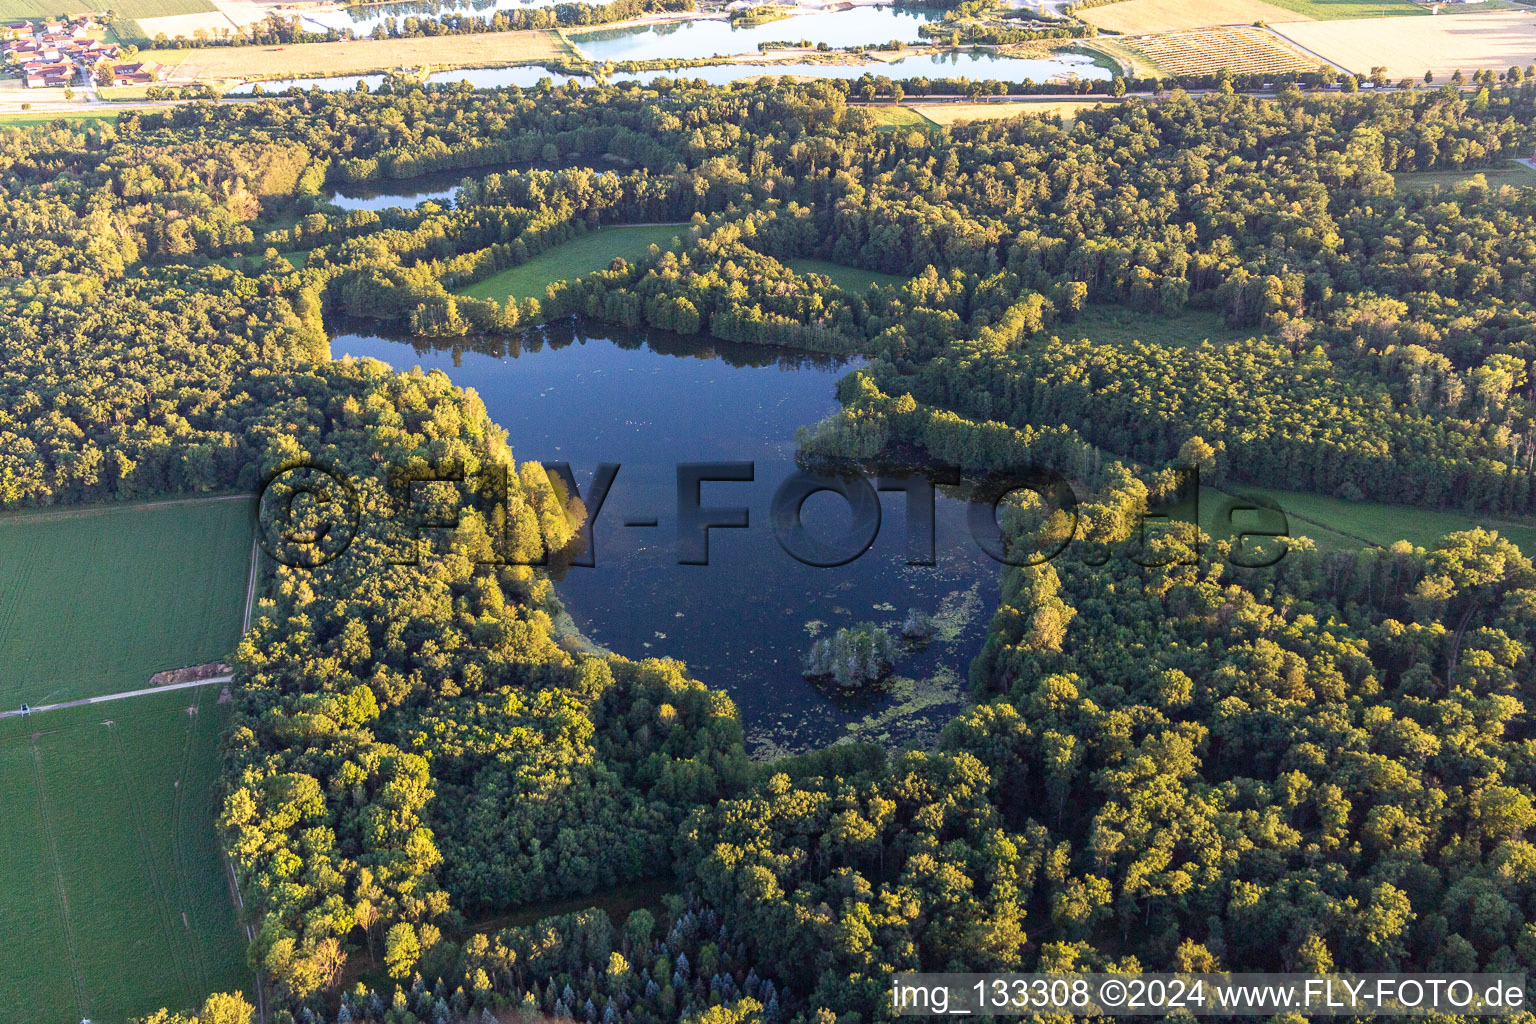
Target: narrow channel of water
point(588, 393)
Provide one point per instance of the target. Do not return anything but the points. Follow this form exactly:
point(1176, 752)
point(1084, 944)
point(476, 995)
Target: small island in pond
point(854, 656)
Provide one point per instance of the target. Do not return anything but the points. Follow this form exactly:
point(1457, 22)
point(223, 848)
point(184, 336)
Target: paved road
point(212, 680)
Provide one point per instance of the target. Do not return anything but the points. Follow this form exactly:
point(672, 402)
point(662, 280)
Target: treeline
point(1173, 761)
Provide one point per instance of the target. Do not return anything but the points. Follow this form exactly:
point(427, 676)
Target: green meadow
point(1338, 523)
point(110, 873)
point(578, 257)
point(1120, 325)
point(850, 279)
point(97, 600)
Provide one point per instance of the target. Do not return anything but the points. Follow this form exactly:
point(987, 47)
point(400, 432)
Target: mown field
point(576, 258)
point(1119, 325)
point(113, 895)
point(307, 60)
point(1407, 47)
point(1505, 174)
point(1335, 10)
point(950, 113)
point(1337, 524)
point(1143, 17)
point(97, 601)
point(854, 279)
point(889, 117)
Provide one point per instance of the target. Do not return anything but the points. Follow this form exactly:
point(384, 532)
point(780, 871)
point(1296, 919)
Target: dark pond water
point(439, 187)
point(587, 393)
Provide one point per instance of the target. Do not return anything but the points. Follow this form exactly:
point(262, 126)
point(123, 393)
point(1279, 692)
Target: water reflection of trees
point(565, 333)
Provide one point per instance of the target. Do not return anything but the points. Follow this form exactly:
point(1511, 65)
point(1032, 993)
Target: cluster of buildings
point(55, 52)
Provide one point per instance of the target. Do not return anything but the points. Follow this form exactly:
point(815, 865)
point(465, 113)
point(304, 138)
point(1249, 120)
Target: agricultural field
point(1337, 523)
point(350, 57)
point(1146, 17)
point(111, 879)
point(576, 258)
point(19, 118)
point(1337, 10)
point(1242, 51)
point(854, 279)
point(951, 113)
point(1408, 47)
point(128, 10)
point(96, 601)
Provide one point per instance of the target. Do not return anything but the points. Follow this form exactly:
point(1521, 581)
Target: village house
point(42, 74)
point(139, 73)
point(59, 52)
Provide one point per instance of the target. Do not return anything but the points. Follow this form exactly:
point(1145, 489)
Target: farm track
point(104, 698)
point(61, 899)
point(178, 854)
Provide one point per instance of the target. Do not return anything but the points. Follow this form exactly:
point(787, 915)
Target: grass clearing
point(1242, 51)
point(98, 600)
point(1117, 325)
point(349, 57)
point(1407, 47)
point(110, 871)
point(1507, 174)
point(889, 117)
point(1145, 17)
point(577, 258)
point(849, 279)
point(1338, 523)
point(22, 118)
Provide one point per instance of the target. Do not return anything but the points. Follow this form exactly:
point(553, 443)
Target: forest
point(1169, 762)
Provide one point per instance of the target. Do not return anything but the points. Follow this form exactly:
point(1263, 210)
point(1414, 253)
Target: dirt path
point(120, 696)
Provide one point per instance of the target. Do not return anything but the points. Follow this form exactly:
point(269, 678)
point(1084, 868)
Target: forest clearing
point(96, 602)
point(112, 862)
point(569, 260)
point(1408, 47)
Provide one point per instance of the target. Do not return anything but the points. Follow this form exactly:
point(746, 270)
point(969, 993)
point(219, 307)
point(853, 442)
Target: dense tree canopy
point(1171, 761)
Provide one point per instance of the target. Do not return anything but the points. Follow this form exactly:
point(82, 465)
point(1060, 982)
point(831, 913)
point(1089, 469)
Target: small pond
point(587, 393)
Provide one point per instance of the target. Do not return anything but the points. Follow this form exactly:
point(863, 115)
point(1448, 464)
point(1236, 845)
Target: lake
point(362, 18)
point(962, 64)
point(587, 393)
point(965, 64)
point(689, 40)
